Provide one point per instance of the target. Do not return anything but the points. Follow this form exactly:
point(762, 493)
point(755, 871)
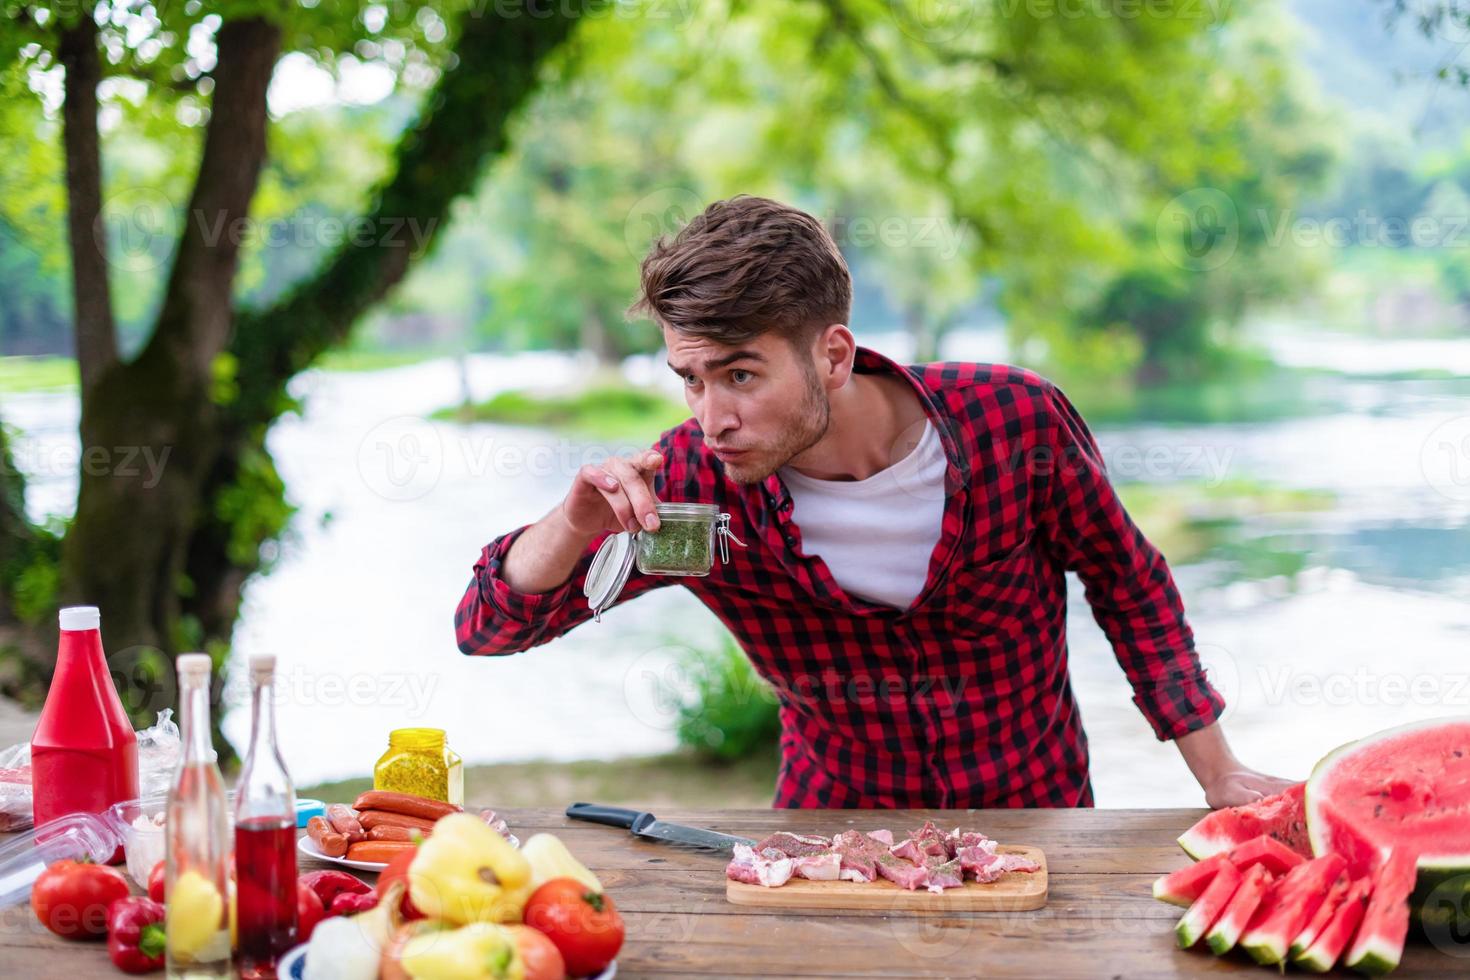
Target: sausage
point(380, 851)
point(384, 818)
point(345, 822)
point(327, 840)
point(389, 832)
point(414, 806)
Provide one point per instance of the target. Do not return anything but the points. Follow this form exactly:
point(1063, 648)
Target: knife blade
point(646, 825)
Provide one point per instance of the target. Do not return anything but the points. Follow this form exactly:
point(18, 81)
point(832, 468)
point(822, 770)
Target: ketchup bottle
point(84, 754)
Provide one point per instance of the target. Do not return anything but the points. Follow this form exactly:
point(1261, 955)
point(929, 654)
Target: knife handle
point(612, 816)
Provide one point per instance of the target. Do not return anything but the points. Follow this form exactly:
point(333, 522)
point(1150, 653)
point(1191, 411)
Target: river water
point(1320, 624)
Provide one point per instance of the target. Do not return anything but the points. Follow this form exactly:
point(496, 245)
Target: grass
point(647, 782)
point(37, 373)
point(372, 360)
point(605, 411)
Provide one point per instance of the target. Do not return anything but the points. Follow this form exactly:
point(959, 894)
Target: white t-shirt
point(876, 535)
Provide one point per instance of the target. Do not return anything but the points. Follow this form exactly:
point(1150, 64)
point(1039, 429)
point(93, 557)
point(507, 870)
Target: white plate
point(292, 965)
point(307, 846)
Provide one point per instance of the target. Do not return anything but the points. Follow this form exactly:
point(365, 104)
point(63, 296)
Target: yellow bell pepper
point(466, 872)
point(550, 858)
point(478, 951)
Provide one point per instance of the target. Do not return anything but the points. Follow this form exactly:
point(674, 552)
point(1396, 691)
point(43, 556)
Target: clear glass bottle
point(196, 911)
point(265, 838)
point(420, 761)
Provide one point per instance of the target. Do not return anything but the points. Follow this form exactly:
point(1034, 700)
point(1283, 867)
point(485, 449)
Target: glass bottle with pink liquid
point(265, 837)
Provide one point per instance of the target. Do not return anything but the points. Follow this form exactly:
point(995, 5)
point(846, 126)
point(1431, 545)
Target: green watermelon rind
point(1270, 948)
point(1377, 960)
point(1432, 871)
point(1230, 924)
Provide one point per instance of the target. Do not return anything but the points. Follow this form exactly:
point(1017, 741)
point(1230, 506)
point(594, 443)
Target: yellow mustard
point(419, 761)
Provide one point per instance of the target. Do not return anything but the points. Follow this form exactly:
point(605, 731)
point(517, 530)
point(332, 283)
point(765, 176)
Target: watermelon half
point(1408, 787)
point(1223, 935)
point(1379, 942)
point(1330, 904)
point(1207, 908)
point(1182, 887)
point(1282, 816)
point(1286, 908)
point(1324, 950)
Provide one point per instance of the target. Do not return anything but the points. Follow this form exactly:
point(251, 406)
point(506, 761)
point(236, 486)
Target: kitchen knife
point(645, 824)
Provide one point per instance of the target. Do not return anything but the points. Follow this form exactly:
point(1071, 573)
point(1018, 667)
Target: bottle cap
point(262, 665)
point(81, 618)
point(194, 664)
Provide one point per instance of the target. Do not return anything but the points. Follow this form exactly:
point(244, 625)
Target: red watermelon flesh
point(1286, 908)
point(1267, 850)
point(1405, 787)
point(1238, 911)
point(1330, 904)
point(1379, 943)
point(1281, 816)
point(1323, 952)
point(1182, 887)
point(1207, 908)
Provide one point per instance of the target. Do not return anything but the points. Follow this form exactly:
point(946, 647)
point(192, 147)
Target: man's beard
point(803, 429)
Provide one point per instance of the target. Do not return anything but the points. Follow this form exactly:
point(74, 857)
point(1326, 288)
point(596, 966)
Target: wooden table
point(1100, 920)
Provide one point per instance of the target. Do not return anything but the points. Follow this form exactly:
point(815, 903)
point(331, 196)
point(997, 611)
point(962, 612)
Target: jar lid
point(687, 510)
point(609, 572)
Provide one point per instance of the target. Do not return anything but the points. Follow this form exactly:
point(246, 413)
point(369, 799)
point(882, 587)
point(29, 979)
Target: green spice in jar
point(418, 761)
point(684, 542)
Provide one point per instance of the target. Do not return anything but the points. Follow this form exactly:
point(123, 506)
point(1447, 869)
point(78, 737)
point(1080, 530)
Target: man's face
point(759, 402)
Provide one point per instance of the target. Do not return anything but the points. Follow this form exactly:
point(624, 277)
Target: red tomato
point(397, 870)
point(71, 898)
point(157, 878)
point(584, 924)
point(309, 911)
point(540, 959)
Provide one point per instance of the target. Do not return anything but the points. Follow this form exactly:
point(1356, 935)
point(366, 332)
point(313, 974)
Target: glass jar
point(420, 761)
point(684, 543)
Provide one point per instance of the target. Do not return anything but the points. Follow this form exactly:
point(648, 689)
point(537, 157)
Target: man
point(907, 532)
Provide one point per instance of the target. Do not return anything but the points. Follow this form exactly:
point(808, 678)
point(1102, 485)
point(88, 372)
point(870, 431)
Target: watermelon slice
point(1323, 952)
point(1207, 908)
point(1379, 943)
point(1182, 887)
point(1286, 908)
point(1267, 850)
point(1330, 904)
point(1404, 787)
point(1238, 911)
point(1281, 816)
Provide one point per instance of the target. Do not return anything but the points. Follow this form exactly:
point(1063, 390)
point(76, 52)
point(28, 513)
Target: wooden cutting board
point(1014, 891)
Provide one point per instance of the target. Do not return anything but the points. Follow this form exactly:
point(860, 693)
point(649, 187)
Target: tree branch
point(95, 333)
point(465, 121)
point(195, 321)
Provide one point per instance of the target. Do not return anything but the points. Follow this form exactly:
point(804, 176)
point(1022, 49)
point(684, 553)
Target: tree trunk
point(95, 335)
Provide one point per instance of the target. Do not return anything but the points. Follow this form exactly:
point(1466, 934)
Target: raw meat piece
point(795, 845)
point(926, 842)
point(860, 854)
point(819, 867)
point(956, 839)
point(770, 868)
point(945, 875)
point(903, 873)
point(985, 866)
point(884, 837)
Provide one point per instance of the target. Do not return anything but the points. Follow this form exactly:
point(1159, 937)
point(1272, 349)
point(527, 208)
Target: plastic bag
point(159, 747)
point(15, 787)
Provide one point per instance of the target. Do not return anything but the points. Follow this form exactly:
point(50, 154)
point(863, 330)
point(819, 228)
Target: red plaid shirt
point(964, 698)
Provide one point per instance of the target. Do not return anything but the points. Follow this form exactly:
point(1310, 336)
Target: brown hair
point(744, 267)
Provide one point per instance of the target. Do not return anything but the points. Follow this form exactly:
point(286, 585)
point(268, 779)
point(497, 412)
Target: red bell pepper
point(135, 939)
point(347, 903)
point(329, 884)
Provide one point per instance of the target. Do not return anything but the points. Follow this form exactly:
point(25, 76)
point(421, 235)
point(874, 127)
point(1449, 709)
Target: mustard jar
point(420, 761)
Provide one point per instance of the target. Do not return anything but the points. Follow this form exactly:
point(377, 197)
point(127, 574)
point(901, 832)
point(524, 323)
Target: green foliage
point(37, 373)
point(734, 713)
point(254, 508)
point(603, 411)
